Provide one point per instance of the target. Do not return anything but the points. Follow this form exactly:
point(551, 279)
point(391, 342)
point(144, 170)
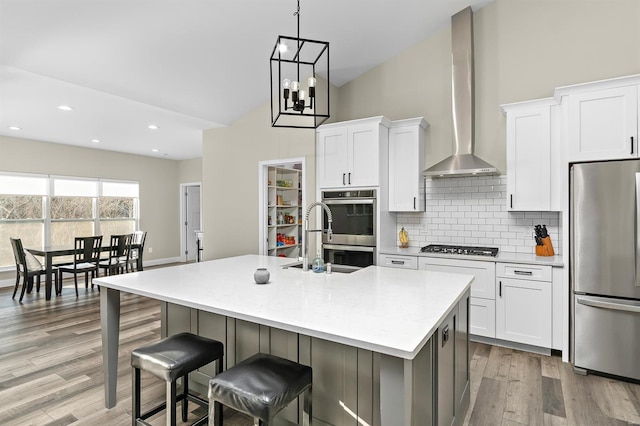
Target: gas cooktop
point(467, 250)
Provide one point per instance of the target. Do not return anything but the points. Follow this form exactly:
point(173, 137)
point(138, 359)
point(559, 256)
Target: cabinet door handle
point(445, 335)
point(500, 289)
point(343, 176)
point(522, 272)
point(631, 145)
point(511, 200)
point(397, 262)
point(414, 203)
point(349, 178)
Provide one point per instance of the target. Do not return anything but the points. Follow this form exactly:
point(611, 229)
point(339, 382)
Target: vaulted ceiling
point(182, 65)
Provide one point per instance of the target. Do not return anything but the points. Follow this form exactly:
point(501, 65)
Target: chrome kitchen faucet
point(305, 246)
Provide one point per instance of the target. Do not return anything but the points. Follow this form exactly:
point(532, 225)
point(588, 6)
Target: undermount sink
point(341, 269)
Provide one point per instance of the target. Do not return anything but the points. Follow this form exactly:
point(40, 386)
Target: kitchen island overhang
point(390, 312)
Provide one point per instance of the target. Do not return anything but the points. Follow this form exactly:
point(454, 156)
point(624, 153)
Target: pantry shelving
point(284, 211)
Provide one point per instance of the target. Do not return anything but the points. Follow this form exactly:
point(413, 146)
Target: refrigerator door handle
point(635, 230)
point(620, 305)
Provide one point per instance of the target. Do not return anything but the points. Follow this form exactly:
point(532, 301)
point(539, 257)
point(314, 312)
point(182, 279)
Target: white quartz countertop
point(386, 310)
point(503, 256)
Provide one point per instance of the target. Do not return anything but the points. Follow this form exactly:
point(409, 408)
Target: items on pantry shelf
point(284, 240)
point(285, 183)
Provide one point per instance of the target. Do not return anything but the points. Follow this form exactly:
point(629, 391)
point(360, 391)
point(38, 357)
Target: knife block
point(546, 249)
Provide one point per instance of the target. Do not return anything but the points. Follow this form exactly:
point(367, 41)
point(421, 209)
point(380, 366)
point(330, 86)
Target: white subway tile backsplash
point(473, 211)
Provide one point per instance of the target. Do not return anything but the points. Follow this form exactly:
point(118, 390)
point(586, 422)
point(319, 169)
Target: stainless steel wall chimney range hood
point(463, 162)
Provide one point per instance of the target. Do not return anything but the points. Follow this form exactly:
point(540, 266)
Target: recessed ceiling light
point(65, 108)
point(14, 128)
point(155, 150)
point(153, 127)
point(95, 140)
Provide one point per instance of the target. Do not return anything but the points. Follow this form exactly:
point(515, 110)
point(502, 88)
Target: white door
point(332, 158)
point(364, 155)
point(528, 158)
point(603, 124)
point(192, 220)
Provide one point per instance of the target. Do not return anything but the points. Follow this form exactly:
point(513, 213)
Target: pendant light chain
point(297, 14)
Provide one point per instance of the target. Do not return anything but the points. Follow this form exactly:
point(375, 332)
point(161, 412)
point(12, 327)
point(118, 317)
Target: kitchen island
point(387, 346)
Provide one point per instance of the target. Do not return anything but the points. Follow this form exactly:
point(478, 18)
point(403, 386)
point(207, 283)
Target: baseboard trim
point(511, 345)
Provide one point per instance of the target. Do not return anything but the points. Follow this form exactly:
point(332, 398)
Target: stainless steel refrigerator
point(605, 267)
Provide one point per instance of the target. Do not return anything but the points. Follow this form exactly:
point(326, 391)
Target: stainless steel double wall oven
point(354, 227)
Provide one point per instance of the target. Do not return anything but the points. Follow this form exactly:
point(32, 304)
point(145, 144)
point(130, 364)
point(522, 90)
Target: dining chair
point(137, 250)
point(28, 267)
point(118, 261)
point(85, 259)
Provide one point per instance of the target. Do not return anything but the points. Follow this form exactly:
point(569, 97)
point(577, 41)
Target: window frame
point(47, 221)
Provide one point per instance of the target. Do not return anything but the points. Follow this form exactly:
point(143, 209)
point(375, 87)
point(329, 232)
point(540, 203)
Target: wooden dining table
point(49, 252)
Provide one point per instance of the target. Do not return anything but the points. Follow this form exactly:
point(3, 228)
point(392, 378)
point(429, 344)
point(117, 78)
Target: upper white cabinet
point(350, 153)
point(529, 155)
point(406, 162)
point(602, 119)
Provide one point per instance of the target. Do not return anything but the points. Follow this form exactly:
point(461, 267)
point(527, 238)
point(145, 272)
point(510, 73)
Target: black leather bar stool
point(260, 386)
point(169, 359)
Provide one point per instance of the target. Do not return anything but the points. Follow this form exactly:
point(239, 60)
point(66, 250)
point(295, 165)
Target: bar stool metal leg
point(185, 392)
point(306, 415)
point(135, 400)
point(171, 403)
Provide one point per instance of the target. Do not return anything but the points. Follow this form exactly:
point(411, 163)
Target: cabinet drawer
point(399, 261)
point(523, 271)
point(484, 284)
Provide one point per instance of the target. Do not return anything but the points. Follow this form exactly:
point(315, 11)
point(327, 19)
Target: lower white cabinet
point(482, 315)
point(482, 303)
point(523, 305)
point(512, 302)
point(483, 285)
point(398, 261)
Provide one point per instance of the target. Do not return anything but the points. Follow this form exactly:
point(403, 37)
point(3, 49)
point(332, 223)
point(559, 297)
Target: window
point(52, 210)
point(22, 215)
point(118, 206)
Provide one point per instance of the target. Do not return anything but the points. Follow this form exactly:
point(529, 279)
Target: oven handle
point(351, 248)
point(349, 201)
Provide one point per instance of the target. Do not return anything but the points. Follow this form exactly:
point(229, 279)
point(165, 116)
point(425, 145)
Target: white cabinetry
point(529, 155)
point(602, 120)
point(482, 303)
point(524, 304)
point(406, 163)
point(284, 211)
point(398, 261)
point(349, 153)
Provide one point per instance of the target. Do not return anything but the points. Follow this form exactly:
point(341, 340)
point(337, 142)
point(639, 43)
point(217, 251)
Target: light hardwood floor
point(51, 372)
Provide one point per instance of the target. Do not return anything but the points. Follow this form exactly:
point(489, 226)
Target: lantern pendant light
point(292, 104)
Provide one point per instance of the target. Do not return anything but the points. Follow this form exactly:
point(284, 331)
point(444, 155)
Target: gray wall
point(159, 182)
point(524, 49)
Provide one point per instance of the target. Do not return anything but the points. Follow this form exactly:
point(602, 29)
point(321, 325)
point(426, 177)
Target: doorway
point(280, 202)
point(190, 219)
